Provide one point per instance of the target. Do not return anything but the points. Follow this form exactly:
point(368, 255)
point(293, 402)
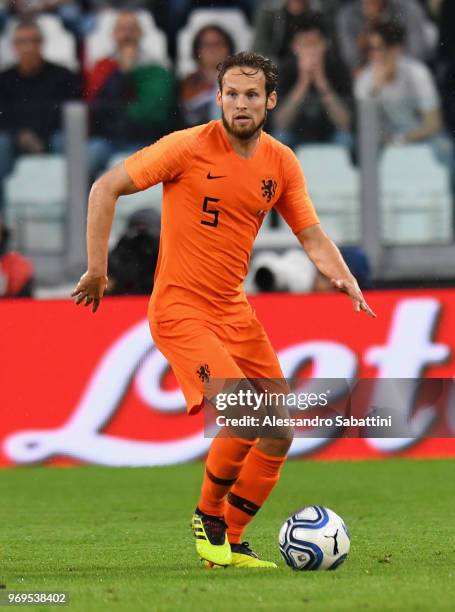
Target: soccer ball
point(314, 538)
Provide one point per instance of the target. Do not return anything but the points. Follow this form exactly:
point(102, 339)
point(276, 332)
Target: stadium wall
point(83, 388)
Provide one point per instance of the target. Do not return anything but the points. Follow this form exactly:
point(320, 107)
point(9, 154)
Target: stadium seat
point(415, 196)
point(232, 20)
point(127, 205)
point(334, 186)
point(99, 43)
point(59, 44)
point(36, 196)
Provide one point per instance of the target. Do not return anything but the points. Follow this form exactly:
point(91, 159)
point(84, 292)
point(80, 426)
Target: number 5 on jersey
point(210, 211)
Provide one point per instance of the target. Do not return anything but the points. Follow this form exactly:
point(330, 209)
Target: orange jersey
point(214, 203)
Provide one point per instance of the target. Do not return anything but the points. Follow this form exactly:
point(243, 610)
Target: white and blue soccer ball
point(314, 538)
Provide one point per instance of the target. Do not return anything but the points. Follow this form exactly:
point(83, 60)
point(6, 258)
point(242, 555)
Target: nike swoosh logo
point(210, 177)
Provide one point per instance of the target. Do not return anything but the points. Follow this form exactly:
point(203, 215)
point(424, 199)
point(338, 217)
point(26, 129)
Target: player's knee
point(276, 446)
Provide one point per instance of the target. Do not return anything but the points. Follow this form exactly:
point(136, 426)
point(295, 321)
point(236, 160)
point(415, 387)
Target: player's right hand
point(351, 288)
point(90, 288)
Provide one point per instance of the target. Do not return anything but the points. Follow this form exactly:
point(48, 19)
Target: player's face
point(244, 102)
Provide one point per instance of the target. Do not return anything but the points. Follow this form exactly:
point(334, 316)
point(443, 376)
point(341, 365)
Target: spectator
point(127, 34)
point(94, 7)
point(132, 100)
point(173, 14)
point(16, 272)
point(316, 90)
point(359, 16)
point(403, 86)
point(31, 97)
point(69, 11)
point(277, 20)
point(211, 46)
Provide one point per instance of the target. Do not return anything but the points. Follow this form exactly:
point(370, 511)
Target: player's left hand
point(352, 289)
point(90, 289)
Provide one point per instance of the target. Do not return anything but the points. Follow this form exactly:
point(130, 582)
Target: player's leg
point(261, 469)
point(222, 468)
point(259, 475)
point(197, 355)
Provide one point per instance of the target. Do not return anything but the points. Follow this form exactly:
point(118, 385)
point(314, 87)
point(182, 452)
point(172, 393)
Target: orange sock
point(223, 465)
point(259, 475)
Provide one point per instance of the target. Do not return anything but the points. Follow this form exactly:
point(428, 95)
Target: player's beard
point(243, 134)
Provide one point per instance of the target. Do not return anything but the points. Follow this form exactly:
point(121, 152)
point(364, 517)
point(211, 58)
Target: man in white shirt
point(404, 87)
point(356, 18)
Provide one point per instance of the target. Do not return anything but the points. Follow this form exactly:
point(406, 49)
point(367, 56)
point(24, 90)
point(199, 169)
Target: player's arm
point(327, 258)
point(163, 161)
point(101, 207)
point(296, 208)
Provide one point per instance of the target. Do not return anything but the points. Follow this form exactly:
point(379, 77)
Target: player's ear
point(272, 100)
point(218, 98)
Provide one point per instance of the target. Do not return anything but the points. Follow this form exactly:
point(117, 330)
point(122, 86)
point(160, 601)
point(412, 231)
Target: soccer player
point(220, 180)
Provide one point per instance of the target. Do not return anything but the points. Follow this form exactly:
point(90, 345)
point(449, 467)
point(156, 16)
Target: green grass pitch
point(119, 539)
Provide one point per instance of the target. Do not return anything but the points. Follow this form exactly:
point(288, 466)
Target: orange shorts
point(194, 347)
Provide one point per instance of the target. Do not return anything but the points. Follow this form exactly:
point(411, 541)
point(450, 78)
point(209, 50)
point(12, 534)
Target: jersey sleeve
point(162, 161)
point(294, 204)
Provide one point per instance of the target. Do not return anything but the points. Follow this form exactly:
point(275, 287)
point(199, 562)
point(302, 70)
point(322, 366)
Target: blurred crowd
point(145, 68)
